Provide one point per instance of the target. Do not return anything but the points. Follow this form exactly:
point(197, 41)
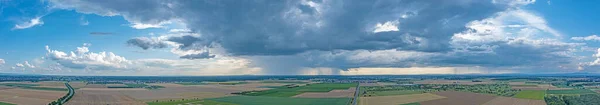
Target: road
point(356, 94)
point(69, 95)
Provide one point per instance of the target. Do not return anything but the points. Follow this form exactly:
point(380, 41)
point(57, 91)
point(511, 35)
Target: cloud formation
point(280, 36)
point(81, 58)
point(203, 55)
point(147, 43)
point(587, 38)
point(25, 64)
point(28, 24)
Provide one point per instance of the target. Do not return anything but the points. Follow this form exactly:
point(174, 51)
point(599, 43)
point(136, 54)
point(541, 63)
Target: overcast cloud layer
point(330, 36)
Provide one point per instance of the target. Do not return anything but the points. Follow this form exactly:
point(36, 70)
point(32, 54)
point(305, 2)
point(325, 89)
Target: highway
point(356, 94)
point(69, 95)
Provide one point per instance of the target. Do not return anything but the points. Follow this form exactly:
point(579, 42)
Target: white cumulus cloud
point(83, 59)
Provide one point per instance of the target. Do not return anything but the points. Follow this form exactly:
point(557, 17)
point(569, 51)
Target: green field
point(531, 94)
point(572, 91)
point(260, 100)
point(4, 103)
point(190, 102)
point(416, 103)
point(394, 92)
point(292, 91)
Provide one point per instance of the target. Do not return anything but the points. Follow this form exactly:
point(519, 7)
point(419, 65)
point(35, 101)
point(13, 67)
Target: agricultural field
point(30, 85)
point(398, 99)
point(29, 96)
point(514, 101)
point(531, 94)
point(493, 89)
point(461, 82)
point(459, 98)
point(262, 100)
point(190, 102)
point(289, 91)
point(102, 96)
point(173, 91)
point(4, 103)
point(392, 92)
point(348, 93)
point(571, 91)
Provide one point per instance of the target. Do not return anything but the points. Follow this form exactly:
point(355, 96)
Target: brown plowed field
point(514, 101)
point(102, 97)
point(29, 97)
point(459, 98)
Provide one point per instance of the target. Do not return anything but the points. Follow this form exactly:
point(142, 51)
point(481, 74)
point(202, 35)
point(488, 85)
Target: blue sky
point(300, 37)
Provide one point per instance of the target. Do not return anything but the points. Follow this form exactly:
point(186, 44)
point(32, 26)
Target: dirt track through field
point(459, 98)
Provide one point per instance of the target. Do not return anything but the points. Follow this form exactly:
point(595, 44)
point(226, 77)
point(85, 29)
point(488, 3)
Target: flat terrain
point(261, 100)
point(293, 91)
point(184, 92)
point(29, 97)
point(571, 91)
point(190, 102)
point(102, 97)
point(395, 92)
point(459, 98)
point(462, 82)
point(348, 93)
point(514, 101)
point(398, 99)
point(531, 94)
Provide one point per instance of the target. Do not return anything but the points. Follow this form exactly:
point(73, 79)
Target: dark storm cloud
point(285, 34)
point(203, 55)
point(146, 43)
point(279, 27)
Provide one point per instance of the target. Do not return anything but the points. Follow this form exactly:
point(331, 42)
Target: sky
point(298, 37)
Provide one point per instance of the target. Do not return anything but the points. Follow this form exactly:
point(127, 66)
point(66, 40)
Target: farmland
point(571, 91)
point(514, 101)
point(531, 94)
point(29, 96)
point(493, 89)
point(398, 99)
point(262, 100)
point(101, 96)
point(337, 91)
point(189, 101)
point(348, 93)
point(32, 86)
point(4, 103)
point(288, 91)
point(458, 98)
